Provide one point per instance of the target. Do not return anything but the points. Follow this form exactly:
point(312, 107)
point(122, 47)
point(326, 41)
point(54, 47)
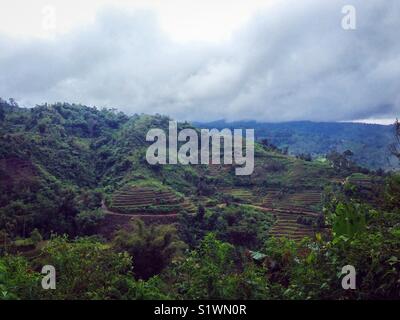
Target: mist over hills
point(368, 142)
point(112, 188)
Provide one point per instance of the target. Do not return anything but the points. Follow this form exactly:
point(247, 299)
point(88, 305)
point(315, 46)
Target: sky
point(264, 60)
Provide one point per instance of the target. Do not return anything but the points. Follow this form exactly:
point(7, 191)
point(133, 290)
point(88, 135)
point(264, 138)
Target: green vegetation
point(153, 248)
point(368, 142)
point(77, 193)
point(239, 225)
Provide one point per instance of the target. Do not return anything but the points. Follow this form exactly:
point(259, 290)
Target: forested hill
point(76, 144)
point(54, 159)
point(74, 183)
point(58, 161)
point(368, 142)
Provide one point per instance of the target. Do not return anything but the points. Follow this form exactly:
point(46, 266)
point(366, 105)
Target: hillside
point(50, 154)
point(74, 182)
point(368, 142)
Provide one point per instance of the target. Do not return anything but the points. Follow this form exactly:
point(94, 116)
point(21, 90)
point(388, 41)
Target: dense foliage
point(60, 165)
point(368, 142)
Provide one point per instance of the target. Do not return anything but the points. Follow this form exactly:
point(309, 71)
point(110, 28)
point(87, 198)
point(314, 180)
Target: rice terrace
point(118, 202)
point(192, 152)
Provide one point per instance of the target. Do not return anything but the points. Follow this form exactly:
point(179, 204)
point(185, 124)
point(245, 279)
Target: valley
point(75, 182)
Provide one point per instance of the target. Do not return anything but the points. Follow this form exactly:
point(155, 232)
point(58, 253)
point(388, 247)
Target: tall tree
point(152, 248)
point(394, 148)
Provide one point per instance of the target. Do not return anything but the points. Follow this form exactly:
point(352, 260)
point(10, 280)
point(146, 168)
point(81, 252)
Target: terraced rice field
point(243, 195)
point(288, 208)
point(135, 199)
point(115, 221)
point(287, 226)
point(304, 201)
point(360, 181)
point(271, 198)
point(151, 204)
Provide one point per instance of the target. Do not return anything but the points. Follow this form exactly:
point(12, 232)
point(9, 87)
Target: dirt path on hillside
point(264, 209)
point(114, 221)
point(283, 210)
point(113, 213)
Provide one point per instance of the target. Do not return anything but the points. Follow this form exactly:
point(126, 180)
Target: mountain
point(77, 193)
point(368, 142)
point(59, 160)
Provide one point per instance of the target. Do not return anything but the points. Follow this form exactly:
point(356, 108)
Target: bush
point(86, 269)
point(152, 248)
point(36, 237)
point(89, 220)
point(210, 272)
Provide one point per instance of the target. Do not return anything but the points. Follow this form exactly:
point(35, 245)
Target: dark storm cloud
point(291, 62)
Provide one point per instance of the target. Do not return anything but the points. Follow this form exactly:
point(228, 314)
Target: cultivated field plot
point(242, 195)
point(286, 225)
point(295, 212)
point(302, 202)
point(360, 180)
point(272, 199)
point(157, 201)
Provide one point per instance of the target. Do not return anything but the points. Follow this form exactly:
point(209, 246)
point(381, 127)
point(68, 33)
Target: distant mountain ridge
point(368, 142)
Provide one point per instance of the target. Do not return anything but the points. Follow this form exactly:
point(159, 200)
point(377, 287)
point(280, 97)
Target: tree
point(200, 213)
point(152, 248)
point(394, 148)
point(36, 237)
point(210, 272)
point(86, 269)
point(17, 280)
point(268, 145)
point(5, 241)
point(392, 192)
point(304, 156)
point(348, 153)
point(341, 161)
point(349, 219)
point(2, 114)
point(89, 220)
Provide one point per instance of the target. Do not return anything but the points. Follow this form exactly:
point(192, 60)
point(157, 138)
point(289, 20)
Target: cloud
point(291, 62)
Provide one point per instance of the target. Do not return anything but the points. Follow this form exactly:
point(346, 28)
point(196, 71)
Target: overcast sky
point(270, 60)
